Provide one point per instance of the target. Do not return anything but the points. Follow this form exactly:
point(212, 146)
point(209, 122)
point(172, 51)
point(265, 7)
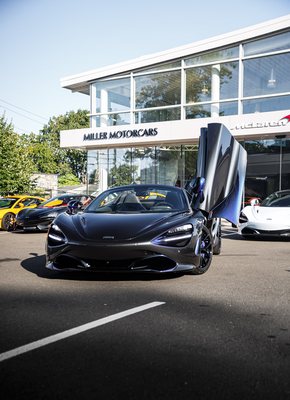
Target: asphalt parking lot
point(221, 335)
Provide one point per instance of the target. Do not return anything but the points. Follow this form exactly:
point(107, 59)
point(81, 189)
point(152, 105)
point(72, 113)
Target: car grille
point(158, 263)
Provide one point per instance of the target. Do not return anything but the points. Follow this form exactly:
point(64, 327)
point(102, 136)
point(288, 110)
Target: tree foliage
point(16, 167)
point(23, 155)
point(45, 149)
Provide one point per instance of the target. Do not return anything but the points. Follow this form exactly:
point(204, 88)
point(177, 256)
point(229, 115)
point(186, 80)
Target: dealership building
point(146, 113)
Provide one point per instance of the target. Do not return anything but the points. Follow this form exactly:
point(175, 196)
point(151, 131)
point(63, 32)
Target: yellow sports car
point(11, 205)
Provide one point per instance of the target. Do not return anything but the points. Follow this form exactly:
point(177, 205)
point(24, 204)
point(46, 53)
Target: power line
point(25, 116)
point(23, 109)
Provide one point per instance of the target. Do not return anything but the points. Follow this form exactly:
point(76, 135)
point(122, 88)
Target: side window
point(30, 202)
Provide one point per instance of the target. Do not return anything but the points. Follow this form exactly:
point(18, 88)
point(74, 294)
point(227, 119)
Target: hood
point(121, 226)
point(269, 214)
point(222, 161)
point(38, 212)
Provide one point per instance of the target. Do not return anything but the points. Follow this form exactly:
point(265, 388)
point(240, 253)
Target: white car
point(270, 218)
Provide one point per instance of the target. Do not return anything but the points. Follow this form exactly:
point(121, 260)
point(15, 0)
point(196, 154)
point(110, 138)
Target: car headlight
point(243, 218)
point(178, 236)
point(55, 236)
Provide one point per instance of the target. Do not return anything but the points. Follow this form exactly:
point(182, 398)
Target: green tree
point(16, 167)
point(46, 154)
point(68, 160)
point(42, 154)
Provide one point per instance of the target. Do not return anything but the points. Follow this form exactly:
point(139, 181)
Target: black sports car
point(46, 212)
point(155, 228)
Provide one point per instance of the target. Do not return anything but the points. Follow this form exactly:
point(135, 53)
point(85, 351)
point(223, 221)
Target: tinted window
point(277, 200)
point(7, 203)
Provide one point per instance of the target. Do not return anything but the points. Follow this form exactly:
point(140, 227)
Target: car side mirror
point(254, 202)
point(195, 189)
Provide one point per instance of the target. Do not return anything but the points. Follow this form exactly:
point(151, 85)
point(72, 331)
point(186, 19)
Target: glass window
point(165, 114)
point(267, 75)
point(274, 43)
point(277, 199)
point(228, 108)
point(206, 110)
point(93, 177)
point(113, 95)
point(118, 119)
point(173, 165)
point(173, 64)
point(96, 121)
point(158, 89)
point(229, 80)
point(267, 104)
point(122, 170)
point(217, 55)
point(199, 82)
point(112, 119)
point(7, 202)
point(168, 164)
point(267, 159)
point(198, 111)
point(145, 159)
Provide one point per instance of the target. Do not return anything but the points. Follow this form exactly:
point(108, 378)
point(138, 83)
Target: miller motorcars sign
point(182, 131)
point(121, 134)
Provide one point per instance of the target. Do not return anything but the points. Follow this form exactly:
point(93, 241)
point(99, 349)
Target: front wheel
point(8, 221)
point(206, 251)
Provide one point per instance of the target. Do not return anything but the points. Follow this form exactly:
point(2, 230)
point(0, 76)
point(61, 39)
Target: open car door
point(221, 170)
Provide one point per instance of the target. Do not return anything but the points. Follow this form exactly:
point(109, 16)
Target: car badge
point(108, 237)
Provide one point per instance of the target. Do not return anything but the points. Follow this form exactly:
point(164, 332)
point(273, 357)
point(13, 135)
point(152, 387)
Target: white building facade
point(146, 114)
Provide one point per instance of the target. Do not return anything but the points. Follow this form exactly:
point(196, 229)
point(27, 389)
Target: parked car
point(270, 218)
point(41, 217)
point(10, 206)
point(155, 228)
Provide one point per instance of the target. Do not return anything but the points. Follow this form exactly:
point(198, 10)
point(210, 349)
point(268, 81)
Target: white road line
point(76, 331)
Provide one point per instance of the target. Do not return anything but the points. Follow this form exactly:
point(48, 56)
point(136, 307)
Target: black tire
point(217, 246)
point(206, 252)
point(8, 221)
point(218, 241)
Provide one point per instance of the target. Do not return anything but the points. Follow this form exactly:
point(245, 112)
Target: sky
point(43, 41)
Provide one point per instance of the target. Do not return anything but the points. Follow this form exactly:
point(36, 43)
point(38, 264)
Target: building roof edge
point(79, 81)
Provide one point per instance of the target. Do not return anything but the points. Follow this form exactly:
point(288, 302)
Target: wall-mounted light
point(272, 81)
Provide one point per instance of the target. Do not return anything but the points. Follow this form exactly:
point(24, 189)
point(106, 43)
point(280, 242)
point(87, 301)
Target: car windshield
point(144, 199)
point(7, 202)
point(277, 199)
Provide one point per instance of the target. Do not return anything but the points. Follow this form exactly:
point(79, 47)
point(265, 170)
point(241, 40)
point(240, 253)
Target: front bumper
point(124, 257)
point(42, 224)
point(257, 232)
